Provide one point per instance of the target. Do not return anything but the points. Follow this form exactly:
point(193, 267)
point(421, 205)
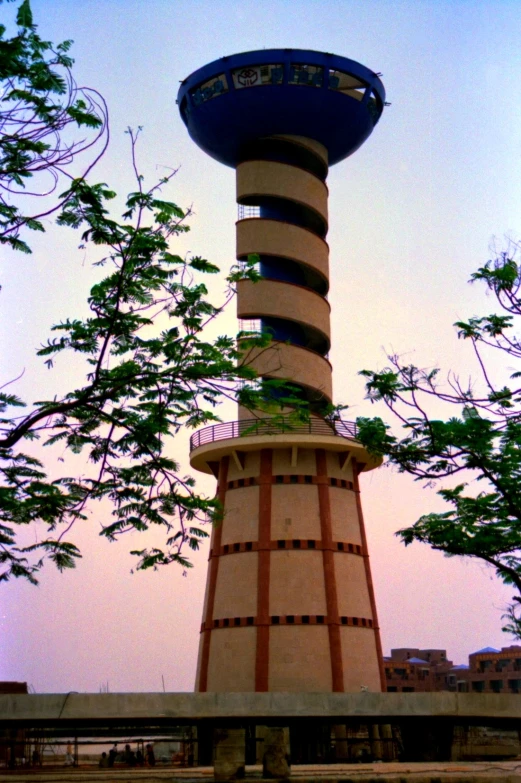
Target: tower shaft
point(284, 180)
point(289, 594)
point(289, 602)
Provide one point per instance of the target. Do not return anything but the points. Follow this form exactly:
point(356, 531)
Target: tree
point(40, 106)
point(480, 441)
point(149, 369)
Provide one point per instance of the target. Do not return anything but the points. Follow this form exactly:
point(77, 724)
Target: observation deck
point(236, 100)
point(209, 444)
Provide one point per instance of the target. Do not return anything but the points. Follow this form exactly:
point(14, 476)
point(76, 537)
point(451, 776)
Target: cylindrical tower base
point(289, 603)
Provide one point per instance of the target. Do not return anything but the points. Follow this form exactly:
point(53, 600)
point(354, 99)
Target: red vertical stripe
point(263, 574)
point(212, 579)
point(333, 620)
point(369, 578)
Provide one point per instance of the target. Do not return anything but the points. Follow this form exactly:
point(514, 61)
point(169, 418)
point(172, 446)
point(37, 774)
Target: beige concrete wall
point(297, 583)
point(314, 146)
point(283, 300)
point(295, 512)
point(236, 590)
point(268, 178)
point(232, 660)
point(281, 360)
point(306, 463)
point(335, 470)
point(206, 591)
point(257, 235)
point(299, 659)
point(241, 515)
point(199, 655)
point(344, 516)
point(250, 460)
point(353, 595)
point(359, 659)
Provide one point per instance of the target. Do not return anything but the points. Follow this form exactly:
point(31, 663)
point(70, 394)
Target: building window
point(391, 689)
point(215, 86)
point(478, 687)
point(246, 211)
point(496, 686)
point(349, 85)
point(308, 75)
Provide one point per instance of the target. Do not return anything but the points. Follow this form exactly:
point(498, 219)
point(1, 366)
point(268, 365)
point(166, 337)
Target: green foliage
point(38, 101)
point(150, 369)
point(481, 442)
point(149, 372)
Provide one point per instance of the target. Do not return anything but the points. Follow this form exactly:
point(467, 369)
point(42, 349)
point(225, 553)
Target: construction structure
point(289, 602)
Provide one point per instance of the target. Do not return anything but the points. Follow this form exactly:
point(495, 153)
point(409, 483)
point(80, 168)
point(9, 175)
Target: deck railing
point(237, 429)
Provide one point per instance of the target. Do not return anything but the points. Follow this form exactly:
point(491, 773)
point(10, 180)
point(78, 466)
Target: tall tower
point(289, 602)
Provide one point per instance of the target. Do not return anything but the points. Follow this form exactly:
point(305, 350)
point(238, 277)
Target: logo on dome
point(247, 77)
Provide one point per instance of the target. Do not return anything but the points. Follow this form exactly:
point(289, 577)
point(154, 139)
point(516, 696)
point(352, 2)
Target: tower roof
point(235, 100)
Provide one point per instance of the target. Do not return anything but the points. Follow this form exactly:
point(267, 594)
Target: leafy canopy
point(149, 371)
point(40, 106)
point(149, 367)
point(481, 441)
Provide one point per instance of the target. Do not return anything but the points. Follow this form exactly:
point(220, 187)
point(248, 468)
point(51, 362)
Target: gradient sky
point(412, 214)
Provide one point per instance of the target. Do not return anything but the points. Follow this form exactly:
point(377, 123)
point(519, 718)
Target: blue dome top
point(229, 103)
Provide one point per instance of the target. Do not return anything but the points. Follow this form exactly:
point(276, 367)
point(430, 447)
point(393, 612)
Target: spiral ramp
point(284, 179)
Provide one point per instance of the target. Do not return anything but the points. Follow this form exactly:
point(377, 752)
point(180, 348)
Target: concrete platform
point(191, 708)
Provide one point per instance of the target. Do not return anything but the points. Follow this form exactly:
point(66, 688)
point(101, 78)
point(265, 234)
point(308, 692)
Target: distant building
point(489, 670)
point(411, 669)
point(495, 671)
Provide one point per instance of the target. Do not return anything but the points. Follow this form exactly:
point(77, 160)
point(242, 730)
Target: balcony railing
point(246, 427)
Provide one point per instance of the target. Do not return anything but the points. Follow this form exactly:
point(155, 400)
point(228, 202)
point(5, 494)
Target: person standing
point(113, 752)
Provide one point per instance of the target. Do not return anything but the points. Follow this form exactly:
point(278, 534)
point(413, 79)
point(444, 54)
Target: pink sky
point(412, 214)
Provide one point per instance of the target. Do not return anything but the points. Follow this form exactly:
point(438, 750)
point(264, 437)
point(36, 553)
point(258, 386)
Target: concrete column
point(275, 761)
point(341, 752)
point(376, 744)
point(260, 737)
point(386, 734)
point(229, 754)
